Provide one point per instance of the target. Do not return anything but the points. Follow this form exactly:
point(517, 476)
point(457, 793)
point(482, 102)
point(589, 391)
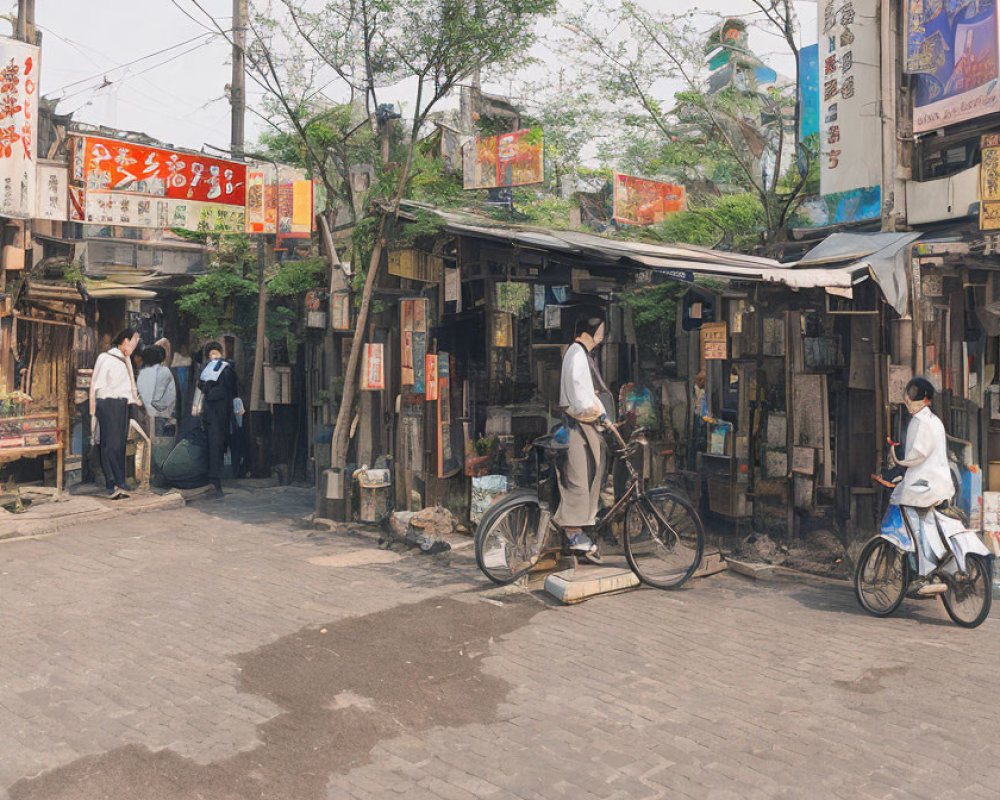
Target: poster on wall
point(413, 342)
point(262, 198)
point(638, 201)
point(989, 183)
point(340, 311)
point(849, 121)
point(450, 438)
point(294, 206)
point(431, 370)
point(134, 185)
point(952, 53)
point(511, 159)
point(372, 368)
point(18, 120)
point(51, 199)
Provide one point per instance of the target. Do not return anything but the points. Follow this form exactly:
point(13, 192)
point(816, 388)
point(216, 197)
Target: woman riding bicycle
point(927, 482)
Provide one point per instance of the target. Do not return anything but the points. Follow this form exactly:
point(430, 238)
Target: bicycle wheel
point(881, 577)
point(507, 541)
point(664, 538)
point(970, 594)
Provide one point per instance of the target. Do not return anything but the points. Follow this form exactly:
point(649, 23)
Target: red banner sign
point(111, 165)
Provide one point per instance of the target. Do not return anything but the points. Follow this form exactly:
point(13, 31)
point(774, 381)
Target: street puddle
point(342, 688)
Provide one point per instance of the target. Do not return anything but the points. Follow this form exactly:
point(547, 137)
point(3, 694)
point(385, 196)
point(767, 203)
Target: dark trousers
point(215, 418)
point(112, 416)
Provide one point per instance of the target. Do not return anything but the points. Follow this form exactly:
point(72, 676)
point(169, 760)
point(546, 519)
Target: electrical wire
point(103, 74)
point(105, 82)
point(81, 48)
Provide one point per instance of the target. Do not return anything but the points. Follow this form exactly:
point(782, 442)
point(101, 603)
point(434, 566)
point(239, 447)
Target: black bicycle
point(663, 535)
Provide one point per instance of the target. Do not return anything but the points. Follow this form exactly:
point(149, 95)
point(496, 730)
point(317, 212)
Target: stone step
point(590, 580)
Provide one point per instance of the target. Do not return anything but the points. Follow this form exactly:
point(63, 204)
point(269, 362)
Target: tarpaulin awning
point(884, 254)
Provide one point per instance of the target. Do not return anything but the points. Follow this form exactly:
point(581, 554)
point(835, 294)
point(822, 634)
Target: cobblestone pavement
point(224, 651)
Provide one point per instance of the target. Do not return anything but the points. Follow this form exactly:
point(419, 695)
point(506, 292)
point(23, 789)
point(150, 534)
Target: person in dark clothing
point(216, 401)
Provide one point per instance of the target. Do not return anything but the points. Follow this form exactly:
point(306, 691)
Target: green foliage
point(215, 303)
point(732, 222)
point(727, 140)
point(72, 273)
point(295, 277)
point(654, 305)
point(514, 297)
point(654, 312)
point(432, 182)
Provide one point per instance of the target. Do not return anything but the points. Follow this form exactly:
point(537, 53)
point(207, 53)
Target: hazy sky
point(178, 96)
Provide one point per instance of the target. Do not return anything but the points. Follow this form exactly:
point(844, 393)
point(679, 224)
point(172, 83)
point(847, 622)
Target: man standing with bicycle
point(581, 475)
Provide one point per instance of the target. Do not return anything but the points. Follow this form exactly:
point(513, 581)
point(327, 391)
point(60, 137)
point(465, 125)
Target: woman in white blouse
point(112, 391)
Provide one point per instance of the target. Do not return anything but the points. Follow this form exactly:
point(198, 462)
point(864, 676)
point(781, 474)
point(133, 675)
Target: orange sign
point(431, 373)
point(511, 159)
point(639, 201)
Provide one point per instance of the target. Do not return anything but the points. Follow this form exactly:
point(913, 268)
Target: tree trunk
point(338, 450)
point(338, 454)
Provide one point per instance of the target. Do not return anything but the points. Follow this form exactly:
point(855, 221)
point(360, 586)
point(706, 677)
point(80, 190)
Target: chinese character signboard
point(129, 184)
point(511, 159)
point(850, 126)
point(639, 201)
point(713, 341)
point(951, 50)
point(51, 198)
point(18, 120)
point(989, 184)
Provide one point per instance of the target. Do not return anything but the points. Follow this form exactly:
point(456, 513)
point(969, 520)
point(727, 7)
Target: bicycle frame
point(955, 541)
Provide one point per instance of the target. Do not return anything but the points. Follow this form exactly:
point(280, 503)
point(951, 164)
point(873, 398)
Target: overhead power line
point(161, 51)
point(107, 82)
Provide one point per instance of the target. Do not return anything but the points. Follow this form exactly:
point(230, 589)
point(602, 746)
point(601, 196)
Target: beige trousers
point(581, 477)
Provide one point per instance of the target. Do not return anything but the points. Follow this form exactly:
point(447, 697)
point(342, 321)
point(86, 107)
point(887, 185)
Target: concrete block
point(576, 585)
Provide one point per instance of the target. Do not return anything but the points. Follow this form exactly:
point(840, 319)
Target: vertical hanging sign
point(413, 342)
point(18, 121)
point(849, 118)
point(989, 183)
point(431, 371)
point(373, 368)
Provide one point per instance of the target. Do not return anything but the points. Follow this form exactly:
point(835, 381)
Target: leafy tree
point(426, 47)
point(735, 137)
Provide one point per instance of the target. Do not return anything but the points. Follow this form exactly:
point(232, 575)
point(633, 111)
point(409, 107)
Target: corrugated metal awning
point(665, 258)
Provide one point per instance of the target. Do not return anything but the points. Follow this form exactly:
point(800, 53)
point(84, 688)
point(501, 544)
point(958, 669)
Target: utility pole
point(237, 88)
point(25, 28)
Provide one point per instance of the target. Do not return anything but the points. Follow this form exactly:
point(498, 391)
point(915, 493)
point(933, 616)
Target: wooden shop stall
point(40, 326)
point(463, 365)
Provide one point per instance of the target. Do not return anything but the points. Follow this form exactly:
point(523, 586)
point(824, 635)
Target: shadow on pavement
point(840, 599)
point(342, 689)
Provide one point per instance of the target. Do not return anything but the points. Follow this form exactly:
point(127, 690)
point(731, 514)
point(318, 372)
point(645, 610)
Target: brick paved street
point(223, 651)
